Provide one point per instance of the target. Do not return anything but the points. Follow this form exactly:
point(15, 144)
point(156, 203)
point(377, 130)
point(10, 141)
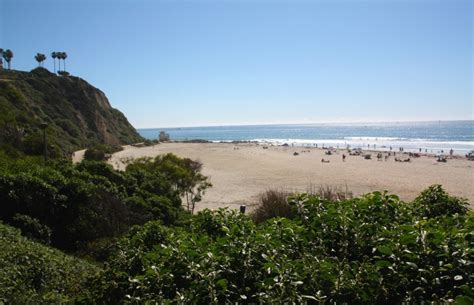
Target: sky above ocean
point(195, 63)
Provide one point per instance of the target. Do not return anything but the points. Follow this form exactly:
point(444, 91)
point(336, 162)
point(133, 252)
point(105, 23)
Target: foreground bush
point(31, 273)
point(369, 250)
point(434, 202)
point(76, 205)
point(274, 203)
point(99, 152)
point(32, 228)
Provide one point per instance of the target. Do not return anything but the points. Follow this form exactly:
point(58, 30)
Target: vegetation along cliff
point(77, 114)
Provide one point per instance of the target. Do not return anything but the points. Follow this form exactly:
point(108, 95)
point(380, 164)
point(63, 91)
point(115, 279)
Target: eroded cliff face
point(78, 115)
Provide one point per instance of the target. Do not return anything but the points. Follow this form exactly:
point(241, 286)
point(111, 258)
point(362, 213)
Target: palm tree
point(60, 56)
point(8, 55)
point(43, 58)
point(54, 55)
point(40, 58)
point(64, 56)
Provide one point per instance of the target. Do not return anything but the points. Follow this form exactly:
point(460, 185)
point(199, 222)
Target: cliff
point(78, 115)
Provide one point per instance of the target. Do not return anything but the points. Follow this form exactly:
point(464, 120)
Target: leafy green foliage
point(185, 175)
point(274, 203)
point(32, 228)
point(90, 201)
point(100, 152)
point(31, 273)
point(434, 202)
point(93, 154)
point(372, 249)
point(326, 249)
point(77, 206)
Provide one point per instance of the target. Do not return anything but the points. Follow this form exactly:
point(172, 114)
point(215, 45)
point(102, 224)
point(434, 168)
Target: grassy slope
point(34, 273)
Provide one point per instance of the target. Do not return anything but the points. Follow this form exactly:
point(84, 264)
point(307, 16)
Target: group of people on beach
point(380, 156)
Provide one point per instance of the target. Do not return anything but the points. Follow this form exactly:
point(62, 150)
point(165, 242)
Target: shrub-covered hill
point(31, 273)
point(78, 115)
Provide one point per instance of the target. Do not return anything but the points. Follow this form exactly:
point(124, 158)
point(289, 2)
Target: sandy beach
point(239, 173)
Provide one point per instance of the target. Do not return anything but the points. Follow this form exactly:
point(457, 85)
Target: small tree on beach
point(190, 182)
point(195, 184)
point(185, 174)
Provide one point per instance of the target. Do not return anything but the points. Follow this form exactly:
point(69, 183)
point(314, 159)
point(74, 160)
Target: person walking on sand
point(451, 152)
point(343, 158)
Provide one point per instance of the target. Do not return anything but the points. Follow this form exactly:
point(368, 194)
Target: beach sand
point(239, 173)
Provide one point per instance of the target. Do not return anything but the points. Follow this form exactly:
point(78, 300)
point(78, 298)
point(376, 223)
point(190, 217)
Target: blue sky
point(195, 63)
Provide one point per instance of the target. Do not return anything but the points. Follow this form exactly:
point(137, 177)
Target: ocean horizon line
point(310, 124)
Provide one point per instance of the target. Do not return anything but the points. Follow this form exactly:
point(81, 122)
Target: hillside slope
point(32, 273)
point(78, 115)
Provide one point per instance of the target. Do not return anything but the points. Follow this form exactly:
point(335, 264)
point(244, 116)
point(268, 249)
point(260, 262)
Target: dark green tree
point(185, 174)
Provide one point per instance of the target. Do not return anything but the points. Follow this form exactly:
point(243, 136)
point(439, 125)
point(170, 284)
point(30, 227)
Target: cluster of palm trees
point(7, 55)
point(40, 58)
point(59, 56)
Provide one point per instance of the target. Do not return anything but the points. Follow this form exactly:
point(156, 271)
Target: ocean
point(431, 137)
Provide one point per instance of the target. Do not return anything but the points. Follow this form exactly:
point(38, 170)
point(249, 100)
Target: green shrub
point(367, 250)
point(10, 151)
point(34, 145)
point(90, 201)
point(434, 202)
point(31, 273)
point(93, 154)
point(32, 228)
point(77, 206)
point(183, 173)
point(271, 204)
point(274, 203)
point(149, 143)
point(100, 152)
